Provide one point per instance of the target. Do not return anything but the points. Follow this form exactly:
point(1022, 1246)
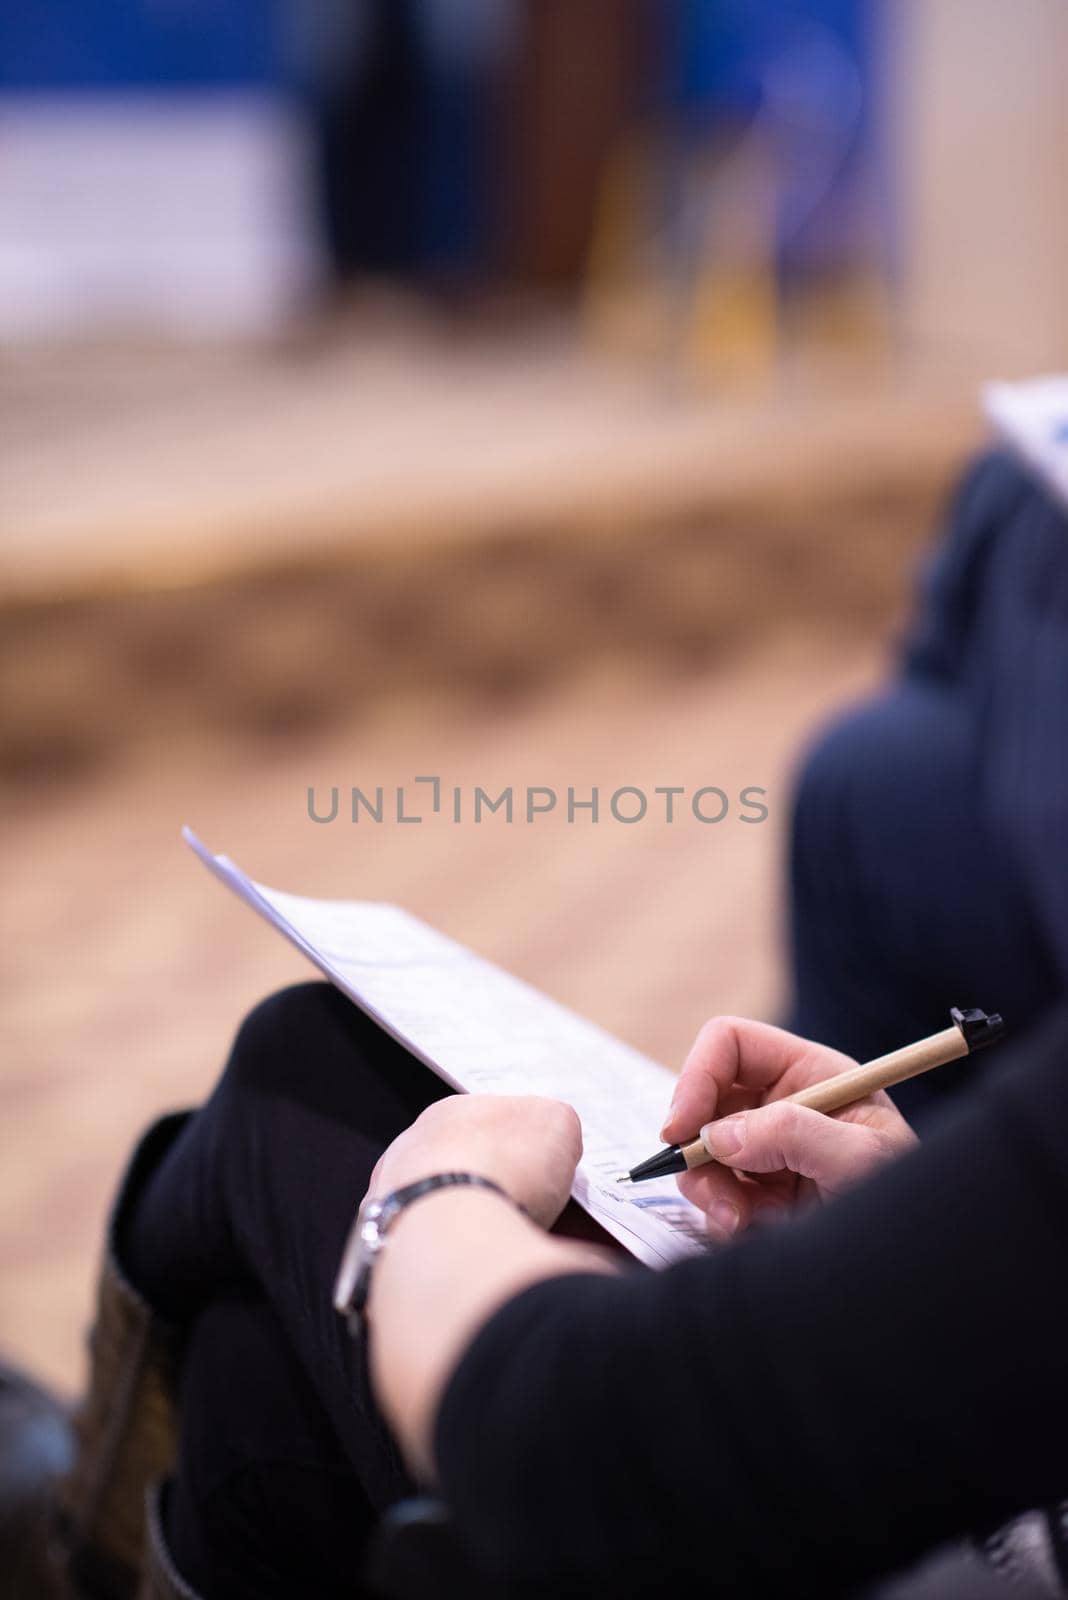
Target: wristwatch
point(367, 1238)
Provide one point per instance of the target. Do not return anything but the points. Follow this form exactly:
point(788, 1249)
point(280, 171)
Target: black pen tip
point(662, 1165)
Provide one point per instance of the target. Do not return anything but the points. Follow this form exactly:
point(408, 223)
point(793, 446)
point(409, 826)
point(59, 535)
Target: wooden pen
point(970, 1031)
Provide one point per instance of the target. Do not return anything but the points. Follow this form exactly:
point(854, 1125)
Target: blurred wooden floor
point(126, 968)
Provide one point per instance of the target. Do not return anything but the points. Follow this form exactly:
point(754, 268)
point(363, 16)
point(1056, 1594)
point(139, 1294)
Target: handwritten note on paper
point(483, 1030)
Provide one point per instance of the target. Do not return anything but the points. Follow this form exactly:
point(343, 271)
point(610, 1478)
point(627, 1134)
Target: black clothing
point(253, 1202)
point(930, 826)
point(265, 1501)
point(816, 1404)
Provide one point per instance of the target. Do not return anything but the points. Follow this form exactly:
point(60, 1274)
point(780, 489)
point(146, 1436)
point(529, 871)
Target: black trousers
point(284, 1463)
point(904, 898)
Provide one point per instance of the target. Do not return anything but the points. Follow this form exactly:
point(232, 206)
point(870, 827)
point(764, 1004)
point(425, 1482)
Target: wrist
point(449, 1213)
point(433, 1241)
point(448, 1217)
point(375, 1224)
point(453, 1263)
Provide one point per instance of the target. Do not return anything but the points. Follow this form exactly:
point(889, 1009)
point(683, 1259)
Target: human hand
point(771, 1155)
point(454, 1261)
point(527, 1144)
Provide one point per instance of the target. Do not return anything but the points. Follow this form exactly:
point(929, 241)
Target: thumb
point(783, 1136)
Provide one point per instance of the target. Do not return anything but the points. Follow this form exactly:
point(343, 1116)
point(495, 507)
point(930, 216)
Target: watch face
point(370, 1222)
point(368, 1237)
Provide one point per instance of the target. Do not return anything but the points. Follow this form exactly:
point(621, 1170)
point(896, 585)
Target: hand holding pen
point(754, 1100)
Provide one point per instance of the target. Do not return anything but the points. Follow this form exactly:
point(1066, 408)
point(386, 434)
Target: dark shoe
point(36, 1447)
point(125, 1428)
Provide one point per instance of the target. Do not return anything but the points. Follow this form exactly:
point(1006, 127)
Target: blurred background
point(520, 391)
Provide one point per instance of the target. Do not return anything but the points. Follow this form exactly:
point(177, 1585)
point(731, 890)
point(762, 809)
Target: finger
point(878, 1111)
point(716, 1191)
point(732, 1050)
point(729, 1204)
point(783, 1135)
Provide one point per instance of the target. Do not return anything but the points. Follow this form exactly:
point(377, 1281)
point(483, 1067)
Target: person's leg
point(260, 1189)
point(263, 1501)
point(902, 901)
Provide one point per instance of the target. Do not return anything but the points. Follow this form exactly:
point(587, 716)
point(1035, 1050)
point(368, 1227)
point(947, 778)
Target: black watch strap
point(369, 1232)
point(440, 1180)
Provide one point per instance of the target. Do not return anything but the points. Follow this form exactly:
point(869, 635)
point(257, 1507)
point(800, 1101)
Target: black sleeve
point(814, 1405)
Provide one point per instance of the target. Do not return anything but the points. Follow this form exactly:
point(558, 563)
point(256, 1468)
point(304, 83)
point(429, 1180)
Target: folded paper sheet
point(483, 1031)
point(1032, 418)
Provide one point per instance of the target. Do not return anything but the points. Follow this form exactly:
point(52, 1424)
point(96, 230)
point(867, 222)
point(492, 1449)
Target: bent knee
point(288, 1020)
point(879, 755)
point(827, 778)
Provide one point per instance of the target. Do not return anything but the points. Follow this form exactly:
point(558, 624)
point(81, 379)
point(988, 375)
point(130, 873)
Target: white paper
point(1032, 418)
point(483, 1030)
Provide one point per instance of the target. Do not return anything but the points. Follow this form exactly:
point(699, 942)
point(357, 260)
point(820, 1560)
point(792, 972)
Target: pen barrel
point(834, 1094)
